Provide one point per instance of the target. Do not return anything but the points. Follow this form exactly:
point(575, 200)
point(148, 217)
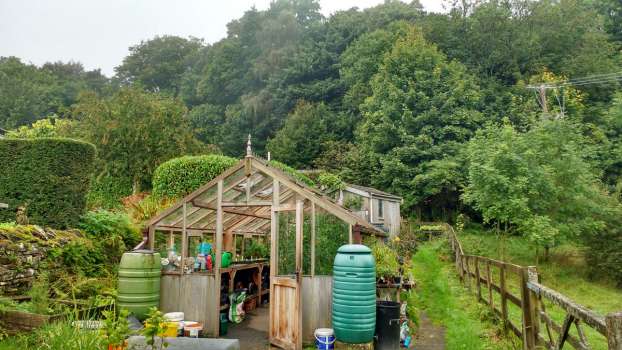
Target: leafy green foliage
point(421, 110)
point(180, 176)
point(116, 327)
point(48, 127)
point(301, 139)
point(292, 172)
point(256, 249)
point(152, 126)
point(103, 225)
point(50, 177)
point(330, 182)
point(539, 181)
point(155, 325)
point(387, 265)
point(158, 64)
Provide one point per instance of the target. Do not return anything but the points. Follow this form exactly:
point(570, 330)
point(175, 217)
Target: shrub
point(104, 225)
point(180, 176)
point(604, 253)
point(387, 264)
point(330, 182)
point(106, 192)
point(49, 176)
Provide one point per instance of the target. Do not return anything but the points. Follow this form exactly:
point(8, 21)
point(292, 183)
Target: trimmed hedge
point(180, 176)
point(51, 176)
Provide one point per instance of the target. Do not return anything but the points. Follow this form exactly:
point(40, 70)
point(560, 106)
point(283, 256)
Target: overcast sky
point(99, 32)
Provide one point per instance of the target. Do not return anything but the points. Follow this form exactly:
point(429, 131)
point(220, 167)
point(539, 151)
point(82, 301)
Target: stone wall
point(22, 250)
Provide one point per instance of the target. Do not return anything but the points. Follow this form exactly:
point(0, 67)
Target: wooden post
point(504, 300)
point(534, 303)
point(614, 330)
point(184, 238)
point(477, 281)
point(312, 239)
point(529, 326)
point(350, 239)
point(491, 300)
point(151, 237)
point(466, 272)
point(274, 232)
point(218, 251)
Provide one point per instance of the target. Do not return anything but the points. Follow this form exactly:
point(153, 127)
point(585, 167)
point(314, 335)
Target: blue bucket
point(324, 339)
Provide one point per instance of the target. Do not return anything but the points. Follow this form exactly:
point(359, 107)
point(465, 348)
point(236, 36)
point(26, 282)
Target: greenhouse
point(269, 234)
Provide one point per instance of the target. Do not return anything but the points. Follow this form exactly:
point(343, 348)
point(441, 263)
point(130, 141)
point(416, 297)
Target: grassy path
point(441, 296)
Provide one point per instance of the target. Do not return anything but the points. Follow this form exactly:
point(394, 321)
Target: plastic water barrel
point(354, 294)
point(139, 282)
point(324, 339)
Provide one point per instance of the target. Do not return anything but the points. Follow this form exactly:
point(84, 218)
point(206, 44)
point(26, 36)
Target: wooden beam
point(274, 231)
point(247, 204)
point(218, 249)
point(321, 200)
point(312, 239)
point(151, 238)
point(286, 207)
point(229, 211)
point(3, 206)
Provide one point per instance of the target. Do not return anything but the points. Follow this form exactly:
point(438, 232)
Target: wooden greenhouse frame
point(246, 199)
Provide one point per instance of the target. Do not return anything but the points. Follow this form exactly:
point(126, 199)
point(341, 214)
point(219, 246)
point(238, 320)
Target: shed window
point(380, 209)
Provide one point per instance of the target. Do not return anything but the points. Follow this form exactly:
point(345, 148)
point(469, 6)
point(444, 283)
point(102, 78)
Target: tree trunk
point(136, 186)
point(546, 253)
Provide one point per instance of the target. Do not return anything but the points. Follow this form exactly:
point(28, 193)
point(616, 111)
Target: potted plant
point(155, 327)
point(116, 329)
point(387, 266)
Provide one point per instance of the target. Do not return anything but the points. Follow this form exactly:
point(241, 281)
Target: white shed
point(379, 208)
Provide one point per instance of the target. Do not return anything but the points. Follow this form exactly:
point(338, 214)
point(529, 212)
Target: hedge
point(180, 176)
point(50, 176)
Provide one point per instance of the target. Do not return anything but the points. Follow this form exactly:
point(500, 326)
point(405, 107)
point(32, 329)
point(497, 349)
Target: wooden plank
point(230, 211)
point(613, 324)
point(3, 206)
point(316, 305)
point(350, 238)
point(247, 204)
point(587, 316)
point(563, 334)
point(572, 340)
point(151, 237)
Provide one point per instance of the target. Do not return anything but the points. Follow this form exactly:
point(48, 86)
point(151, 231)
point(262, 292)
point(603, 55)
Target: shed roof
point(250, 180)
point(374, 192)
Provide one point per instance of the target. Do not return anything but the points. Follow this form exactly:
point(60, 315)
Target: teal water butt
point(354, 294)
point(139, 282)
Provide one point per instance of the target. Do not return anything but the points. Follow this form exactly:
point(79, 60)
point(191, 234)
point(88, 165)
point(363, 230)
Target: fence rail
point(537, 328)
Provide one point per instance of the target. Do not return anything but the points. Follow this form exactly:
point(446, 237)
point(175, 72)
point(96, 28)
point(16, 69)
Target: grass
point(468, 324)
point(565, 272)
point(55, 336)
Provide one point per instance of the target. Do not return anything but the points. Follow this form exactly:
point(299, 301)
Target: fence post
point(529, 324)
point(504, 300)
point(534, 303)
point(477, 281)
point(614, 330)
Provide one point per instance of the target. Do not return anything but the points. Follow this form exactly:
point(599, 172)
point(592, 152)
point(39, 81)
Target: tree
point(422, 109)
point(301, 139)
point(26, 93)
point(159, 64)
point(539, 182)
point(134, 132)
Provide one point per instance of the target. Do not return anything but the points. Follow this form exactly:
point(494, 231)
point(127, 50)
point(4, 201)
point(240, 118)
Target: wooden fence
point(490, 279)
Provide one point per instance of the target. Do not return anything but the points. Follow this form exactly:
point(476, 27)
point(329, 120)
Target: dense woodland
point(434, 107)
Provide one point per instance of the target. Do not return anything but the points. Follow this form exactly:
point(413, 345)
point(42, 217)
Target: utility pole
point(545, 108)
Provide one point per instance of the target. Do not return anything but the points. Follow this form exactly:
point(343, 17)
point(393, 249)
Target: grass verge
point(468, 324)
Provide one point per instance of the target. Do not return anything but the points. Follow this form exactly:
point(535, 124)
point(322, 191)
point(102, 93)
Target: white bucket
point(324, 338)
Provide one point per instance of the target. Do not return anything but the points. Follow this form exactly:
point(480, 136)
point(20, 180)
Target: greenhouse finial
point(249, 151)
